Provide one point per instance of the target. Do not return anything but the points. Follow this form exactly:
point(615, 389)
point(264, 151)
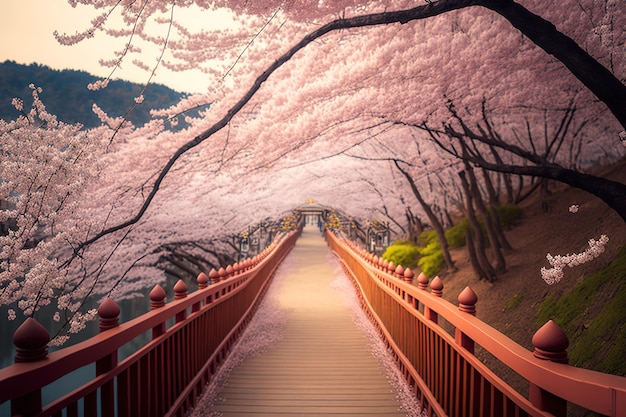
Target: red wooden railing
point(165, 376)
point(447, 378)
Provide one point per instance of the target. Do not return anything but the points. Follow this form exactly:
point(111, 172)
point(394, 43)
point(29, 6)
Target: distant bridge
point(320, 365)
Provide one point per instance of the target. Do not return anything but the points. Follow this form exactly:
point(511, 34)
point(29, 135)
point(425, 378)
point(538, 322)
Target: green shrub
point(455, 236)
point(509, 215)
point(426, 237)
point(403, 253)
point(430, 249)
point(431, 264)
point(431, 260)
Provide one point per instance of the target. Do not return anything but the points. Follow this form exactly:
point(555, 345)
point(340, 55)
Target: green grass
point(513, 302)
point(601, 343)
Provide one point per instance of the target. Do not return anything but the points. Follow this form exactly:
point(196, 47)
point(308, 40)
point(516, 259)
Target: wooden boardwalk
point(323, 363)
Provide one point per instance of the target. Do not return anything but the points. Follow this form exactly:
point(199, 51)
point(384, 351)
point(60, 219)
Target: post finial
point(109, 313)
point(408, 275)
point(203, 280)
point(214, 276)
point(467, 300)
point(180, 290)
point(157, 297)
point(31, 341)
point(422, 281)
point(550, 343)
point(436, 287)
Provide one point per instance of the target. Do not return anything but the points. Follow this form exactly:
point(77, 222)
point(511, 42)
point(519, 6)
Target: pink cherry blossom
point(323, 125)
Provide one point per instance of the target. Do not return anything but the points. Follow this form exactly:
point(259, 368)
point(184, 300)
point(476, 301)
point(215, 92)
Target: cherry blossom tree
point(294, 85)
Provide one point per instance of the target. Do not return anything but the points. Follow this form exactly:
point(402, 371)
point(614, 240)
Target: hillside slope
point(511, 303)
point(65, 94)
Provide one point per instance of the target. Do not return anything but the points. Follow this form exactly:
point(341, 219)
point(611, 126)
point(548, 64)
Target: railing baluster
point(109, 313)
point(467, 303)
point(157, 300)
point(550, 342)
point(180, 292)
point(31, 344)
point(203, 282)
point(436, 287)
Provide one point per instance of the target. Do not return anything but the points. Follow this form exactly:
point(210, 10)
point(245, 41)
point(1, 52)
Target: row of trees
point(434, 90)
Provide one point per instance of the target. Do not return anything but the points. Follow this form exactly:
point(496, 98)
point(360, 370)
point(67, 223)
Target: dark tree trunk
point(493, 212)
point(471, 252)
point(415, 225)
point(434, 221)
point(487, 270)
point(489, 226)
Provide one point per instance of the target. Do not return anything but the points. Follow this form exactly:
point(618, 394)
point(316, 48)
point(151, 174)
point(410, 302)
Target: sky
point(26, 30)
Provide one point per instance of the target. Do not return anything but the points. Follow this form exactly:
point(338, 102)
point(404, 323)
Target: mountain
point(65, 94)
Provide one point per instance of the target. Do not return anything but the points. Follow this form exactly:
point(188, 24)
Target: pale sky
point(26, 30)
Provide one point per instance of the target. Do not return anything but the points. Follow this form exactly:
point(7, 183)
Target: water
point(129, 309)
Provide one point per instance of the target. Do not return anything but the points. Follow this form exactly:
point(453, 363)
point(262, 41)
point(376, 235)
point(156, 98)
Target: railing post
point(436, 289)
point(408, 276)
point(422, 284)
point(222, 274)
point(180, 292)
point(31, 344)
point(399, 272)
point(422, 281)
point(157, 300)
point(214, 276)
point(467, 303)
point(109, 313)
point(550, 343)
point(203, 282)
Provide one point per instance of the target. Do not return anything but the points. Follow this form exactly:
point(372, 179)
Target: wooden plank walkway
point(323, 363)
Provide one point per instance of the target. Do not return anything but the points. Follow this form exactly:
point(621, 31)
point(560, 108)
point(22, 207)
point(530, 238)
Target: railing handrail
point(17, 379)
point(596, 391)
point(22, 378)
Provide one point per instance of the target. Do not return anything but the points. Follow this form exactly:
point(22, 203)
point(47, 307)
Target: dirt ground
point(557, 232)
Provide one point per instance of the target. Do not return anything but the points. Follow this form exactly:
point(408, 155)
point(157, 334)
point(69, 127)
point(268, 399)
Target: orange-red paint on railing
point(165, 376)
point(446, 376)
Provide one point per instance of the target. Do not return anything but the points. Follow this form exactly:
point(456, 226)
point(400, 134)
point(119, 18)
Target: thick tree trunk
point(506, 179)
point(415, 225)
point(486, 270)
point(493, 213)
point(494, 243)
point(471, 252)
point(434, 221)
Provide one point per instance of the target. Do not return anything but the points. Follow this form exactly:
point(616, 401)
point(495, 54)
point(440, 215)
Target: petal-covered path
point(309, 350)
